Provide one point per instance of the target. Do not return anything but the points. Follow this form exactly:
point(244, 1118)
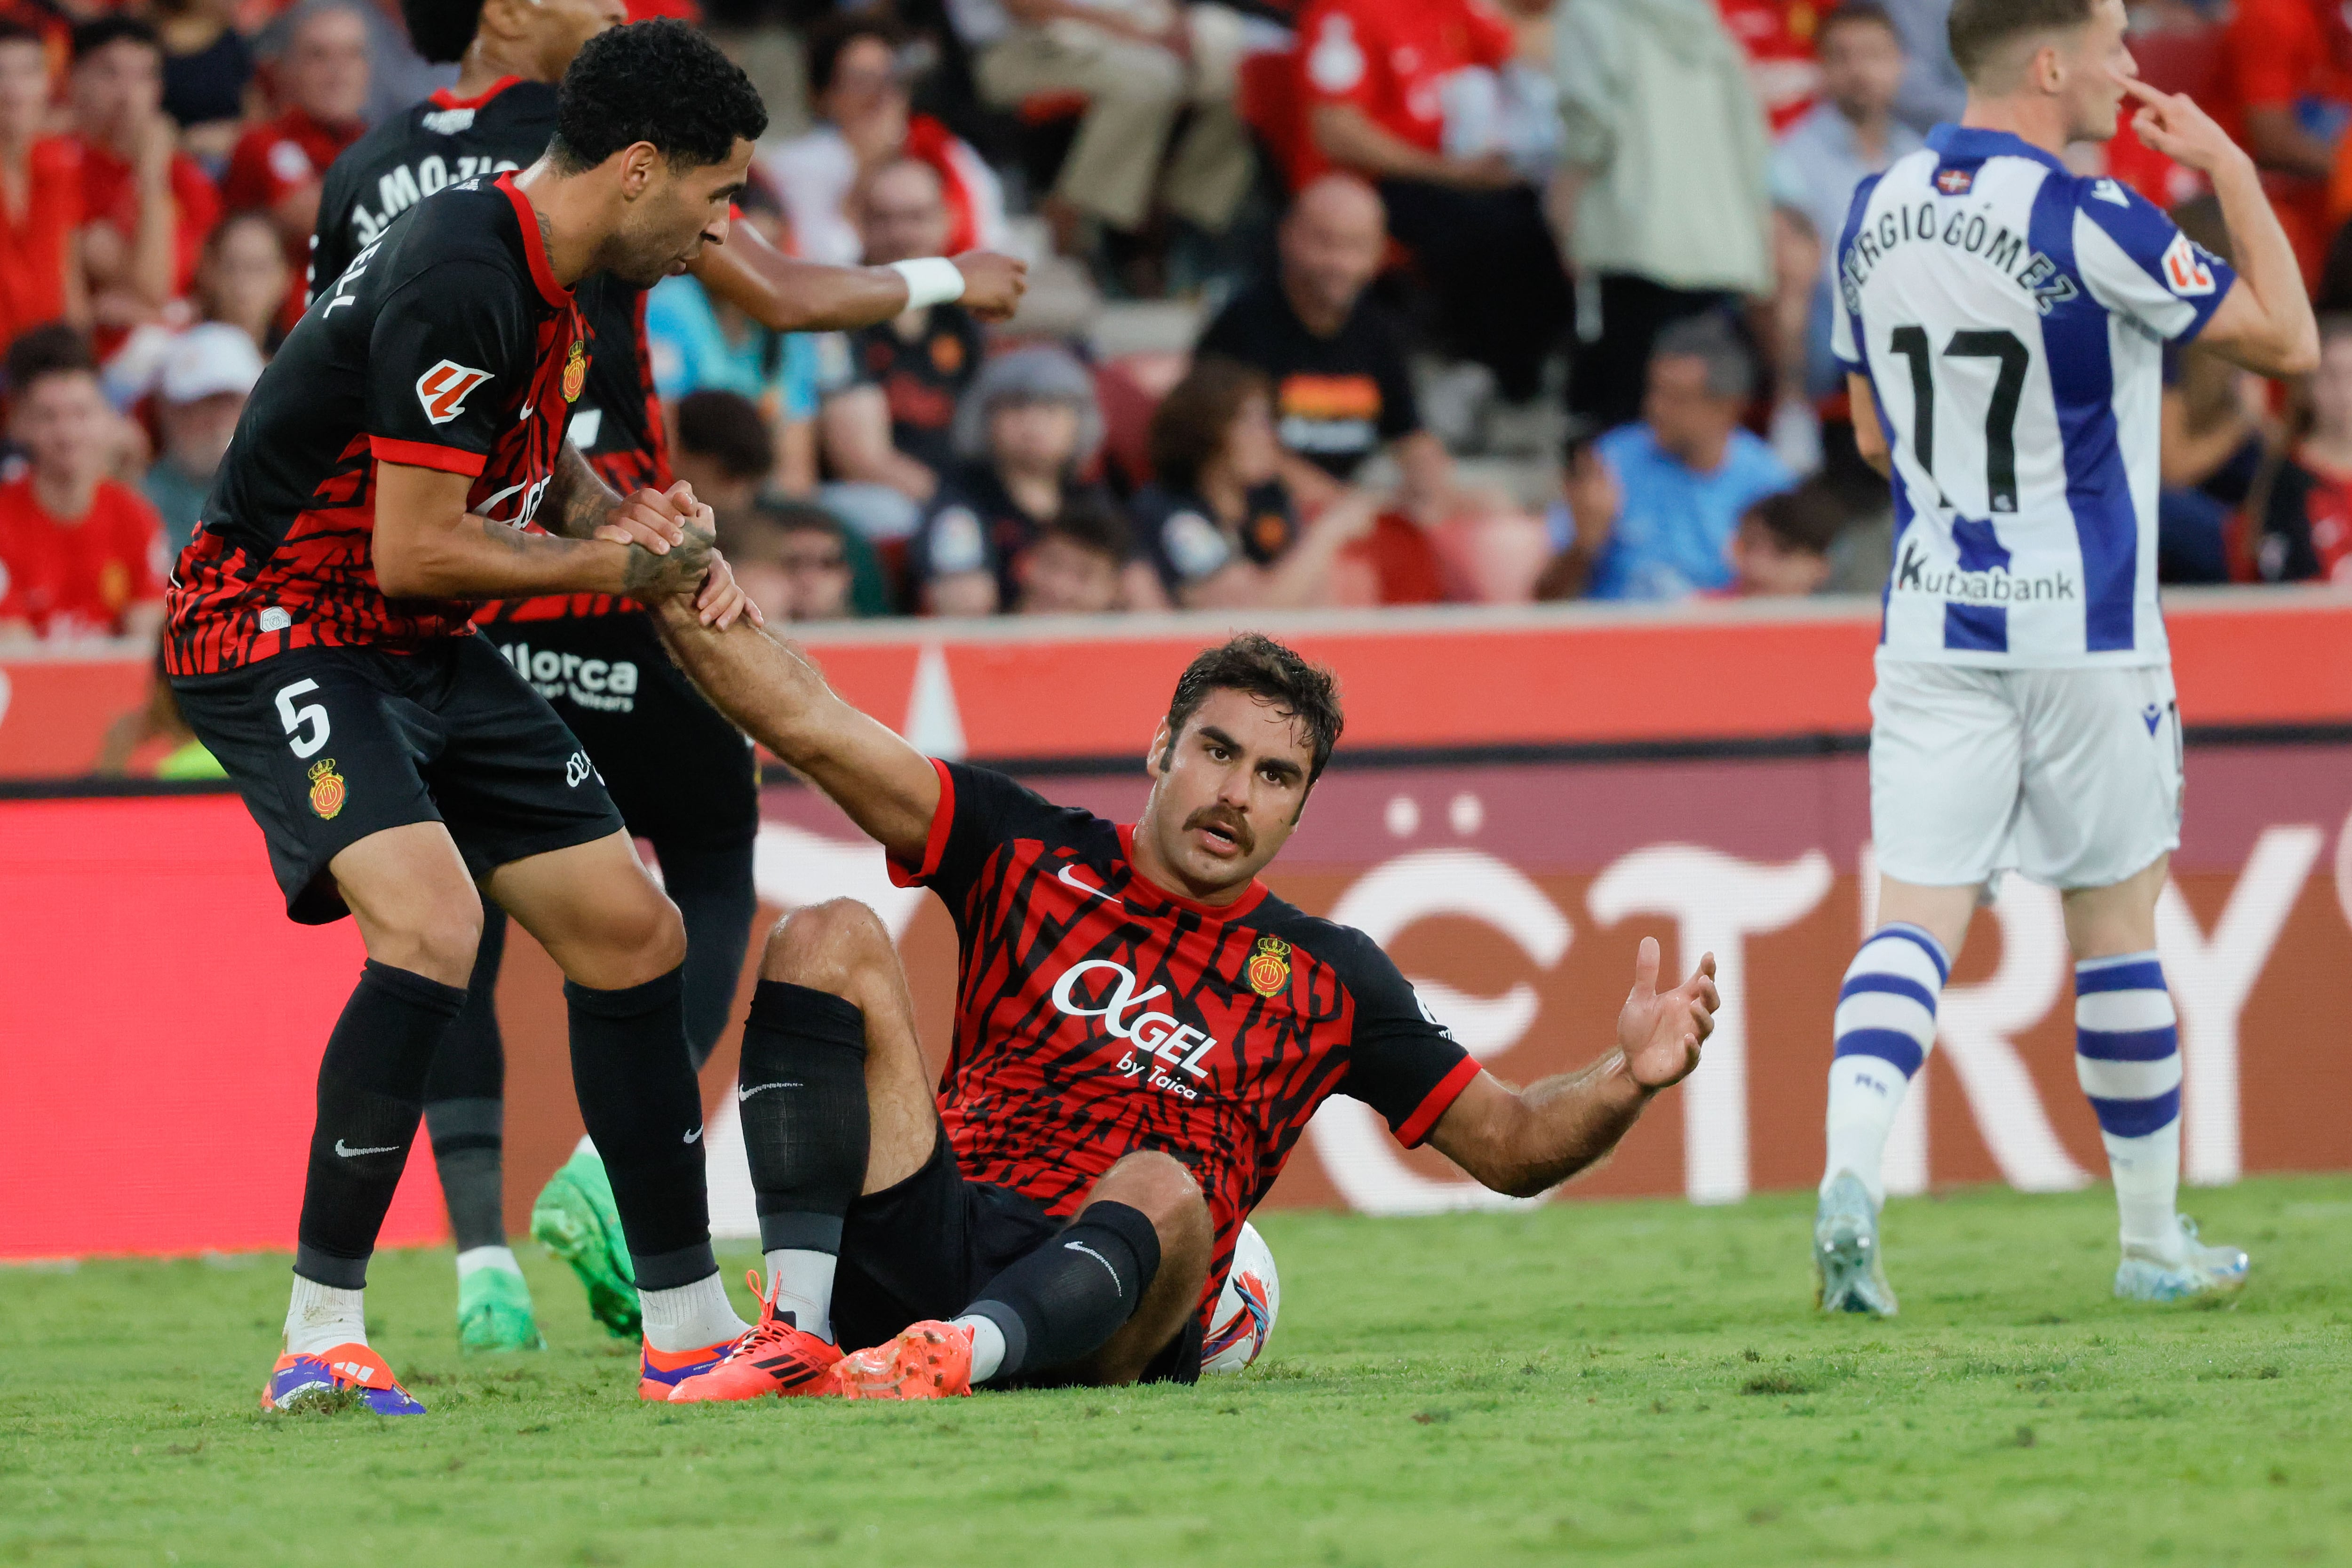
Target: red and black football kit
point(1098, 1016)
point(449, 344)
point(681, 776)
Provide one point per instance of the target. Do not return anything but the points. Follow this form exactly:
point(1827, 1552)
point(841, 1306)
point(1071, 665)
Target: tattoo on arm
point(581, 498)
point(650, 577)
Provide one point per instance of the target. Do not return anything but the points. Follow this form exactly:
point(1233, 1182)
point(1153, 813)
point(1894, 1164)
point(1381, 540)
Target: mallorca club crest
point(326, 789)
point(575, 371)
point(1269, 966)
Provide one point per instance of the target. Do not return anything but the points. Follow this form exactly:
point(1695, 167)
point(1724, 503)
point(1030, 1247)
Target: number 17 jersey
point(2012, 317)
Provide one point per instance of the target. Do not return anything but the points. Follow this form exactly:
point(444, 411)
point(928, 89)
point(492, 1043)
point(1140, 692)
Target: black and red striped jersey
point(446, 345)
point(1097, 1015)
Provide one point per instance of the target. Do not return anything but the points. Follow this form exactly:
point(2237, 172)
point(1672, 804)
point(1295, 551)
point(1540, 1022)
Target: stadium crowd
point(1484, 304)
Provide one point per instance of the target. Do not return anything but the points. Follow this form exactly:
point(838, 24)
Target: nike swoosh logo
point(353, 1154)
point(742, 1094)
point(1069, 880)
point(693, 1135)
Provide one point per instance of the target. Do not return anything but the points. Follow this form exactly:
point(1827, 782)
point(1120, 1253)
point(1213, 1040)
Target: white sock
point(1884, 1027)
point(690, 1317)
point(803, 1281)
point(987, 1346)
point(321, 1317)
point(476, 1259)
point(2127, 1060)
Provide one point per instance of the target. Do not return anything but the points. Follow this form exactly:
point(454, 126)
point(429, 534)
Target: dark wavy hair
point(1266, 669)
point(1188, 427)
point(1977, 30)
point(442, 30)
point(660, 81)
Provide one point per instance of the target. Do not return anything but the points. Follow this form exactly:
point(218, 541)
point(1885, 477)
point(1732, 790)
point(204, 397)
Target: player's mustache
point(1226, 817)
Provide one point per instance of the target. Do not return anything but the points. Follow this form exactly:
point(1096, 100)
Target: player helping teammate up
point(1141, 1033)
point(2003, 332)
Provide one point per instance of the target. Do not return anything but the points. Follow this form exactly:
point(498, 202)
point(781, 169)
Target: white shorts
point(2071, 776)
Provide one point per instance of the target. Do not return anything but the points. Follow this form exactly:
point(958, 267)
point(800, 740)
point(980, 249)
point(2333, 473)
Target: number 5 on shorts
point(307, 725)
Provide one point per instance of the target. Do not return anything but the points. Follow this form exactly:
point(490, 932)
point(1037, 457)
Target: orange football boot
point(775, 1359)
point(930, 1360)
point(299, 1378)
point(658, 1371)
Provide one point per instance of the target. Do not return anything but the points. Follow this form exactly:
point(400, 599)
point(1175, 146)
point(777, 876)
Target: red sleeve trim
point(1436, 1103)
point(935, 844)
point(424, 455)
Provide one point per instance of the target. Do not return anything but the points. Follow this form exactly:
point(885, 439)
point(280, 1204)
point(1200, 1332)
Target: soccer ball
point(1243, 1320)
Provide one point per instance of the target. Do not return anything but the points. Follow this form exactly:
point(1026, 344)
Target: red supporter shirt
point(109, 194)
point(77, 579)
point(37, 240)
point(1776, 37)
point(1390, 57)
point(280, 156)
point(1097, 1015)
point(2294, 55)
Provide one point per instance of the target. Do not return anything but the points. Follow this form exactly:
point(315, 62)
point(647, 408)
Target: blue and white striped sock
point(1885, 1027)
point(2127, 1056)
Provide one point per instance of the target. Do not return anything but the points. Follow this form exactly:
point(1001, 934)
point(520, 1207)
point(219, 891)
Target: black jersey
point(446, 139)
point(447, 343)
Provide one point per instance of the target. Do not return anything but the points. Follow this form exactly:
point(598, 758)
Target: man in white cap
point(206, 374)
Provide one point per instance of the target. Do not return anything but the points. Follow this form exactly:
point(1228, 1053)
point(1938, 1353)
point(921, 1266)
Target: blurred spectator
point(40, 196)
point(1667, 150)
point(77, 550)
point(1216, 522)
point(1140, 65)
point(209, 84)
point(725, 450)
point(2284, 93)
point(793, 560)
point(701, 344)
point(146, 206)
point(1025, 429)
point(890, 391)
point(858, 88)
point(1778, 39)
point(398, 76)
point(322, 80)
point(1781, 547)
point(1649, 510)
point(2300, 513)
point(1409, 93)
point(207, 374)
point(1078, 565)
point(1933, 90)
point(1342, 389)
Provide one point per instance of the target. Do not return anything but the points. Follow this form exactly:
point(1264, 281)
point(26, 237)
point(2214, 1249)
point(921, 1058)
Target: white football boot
point(2146, 1275)
point(1846, 1264)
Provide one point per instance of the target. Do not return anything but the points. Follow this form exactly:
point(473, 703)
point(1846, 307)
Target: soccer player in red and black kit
point(680, 775)
point(1141, 1033)
point(320, 643)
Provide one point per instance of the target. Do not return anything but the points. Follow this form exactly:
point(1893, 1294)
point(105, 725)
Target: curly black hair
point(89, 37)
point(1266, 669)
point(660, 81)
point(442, 30)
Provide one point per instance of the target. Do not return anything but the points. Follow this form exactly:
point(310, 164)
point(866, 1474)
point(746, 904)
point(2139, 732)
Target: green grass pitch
point(1628, 1382)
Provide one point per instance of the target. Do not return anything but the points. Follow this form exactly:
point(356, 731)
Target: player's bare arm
point(1869, 436)
point(786, 294)
point(2266, 323)
point(1523, 1141)
point(778, 697)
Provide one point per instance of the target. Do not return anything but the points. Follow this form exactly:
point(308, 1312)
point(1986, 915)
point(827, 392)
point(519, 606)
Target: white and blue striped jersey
point(2011, 318)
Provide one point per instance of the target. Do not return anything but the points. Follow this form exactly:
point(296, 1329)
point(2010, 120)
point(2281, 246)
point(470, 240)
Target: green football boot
point(494, 1314)
point(1851, 1276)
point(2199, 1271)
point(576, 1219)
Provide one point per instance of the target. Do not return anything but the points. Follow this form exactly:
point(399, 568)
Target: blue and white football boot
point(1849, 1273)
point(2199, 1271)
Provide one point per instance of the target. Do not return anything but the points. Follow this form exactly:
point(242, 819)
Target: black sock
point(643, 1110)
point(1067, 1298)
point(465, 1102)
point(371, 1091)
point(802, 1095)
point(713, 892)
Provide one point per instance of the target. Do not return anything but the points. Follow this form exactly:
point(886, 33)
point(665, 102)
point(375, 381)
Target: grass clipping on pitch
point(1635, 1382)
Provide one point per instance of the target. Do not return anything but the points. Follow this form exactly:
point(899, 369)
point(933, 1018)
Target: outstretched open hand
point(1660, 1033)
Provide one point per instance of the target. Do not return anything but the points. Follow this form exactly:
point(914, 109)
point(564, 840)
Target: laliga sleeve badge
point(326, 789)
point(575, 371)
point(1269, 966)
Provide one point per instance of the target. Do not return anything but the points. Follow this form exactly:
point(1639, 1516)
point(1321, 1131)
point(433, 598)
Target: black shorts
point(924, 1248)
point(681, 776)
point(330, 744)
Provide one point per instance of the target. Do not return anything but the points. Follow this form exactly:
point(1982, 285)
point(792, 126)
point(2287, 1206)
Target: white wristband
point(930, 281)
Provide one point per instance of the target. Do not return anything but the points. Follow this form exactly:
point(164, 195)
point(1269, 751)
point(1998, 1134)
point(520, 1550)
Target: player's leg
point(1095, 1303)
point(465, 1116)
point(1944, 764)
point(2102, 817)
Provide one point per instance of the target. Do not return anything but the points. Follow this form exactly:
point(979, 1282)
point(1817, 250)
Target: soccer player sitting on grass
point(1142, 1031)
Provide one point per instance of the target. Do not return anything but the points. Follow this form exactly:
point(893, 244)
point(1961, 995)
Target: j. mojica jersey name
point(410, 184)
